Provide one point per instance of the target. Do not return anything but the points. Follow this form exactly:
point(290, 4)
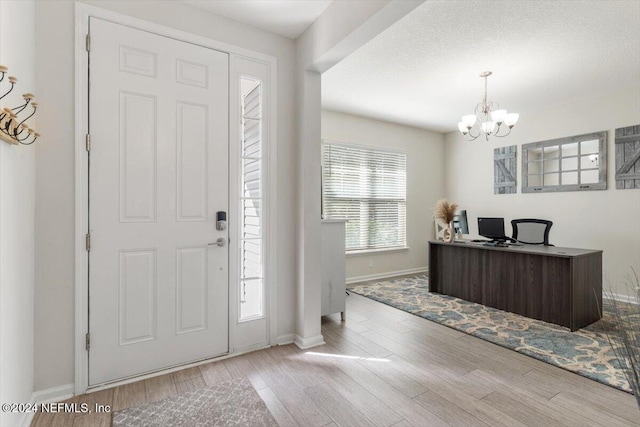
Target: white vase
point(448, 234)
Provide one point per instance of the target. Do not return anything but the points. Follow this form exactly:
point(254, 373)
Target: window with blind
point(251, 226)
point(366, 186)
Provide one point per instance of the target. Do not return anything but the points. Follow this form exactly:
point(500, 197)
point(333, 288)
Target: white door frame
point(82, 14)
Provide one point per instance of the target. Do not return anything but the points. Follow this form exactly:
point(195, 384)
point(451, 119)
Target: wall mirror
point(573, 163)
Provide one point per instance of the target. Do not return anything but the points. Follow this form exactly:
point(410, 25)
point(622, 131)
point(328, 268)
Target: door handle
point(220, 242)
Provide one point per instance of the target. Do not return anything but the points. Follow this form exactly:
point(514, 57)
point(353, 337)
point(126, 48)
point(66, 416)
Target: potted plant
point(625, 336)
point(445, 212)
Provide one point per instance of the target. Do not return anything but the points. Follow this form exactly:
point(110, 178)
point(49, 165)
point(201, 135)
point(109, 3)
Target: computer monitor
point(491, 228)
point(460, 223)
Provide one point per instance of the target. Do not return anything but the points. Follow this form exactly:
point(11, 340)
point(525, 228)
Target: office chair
point(532, 231)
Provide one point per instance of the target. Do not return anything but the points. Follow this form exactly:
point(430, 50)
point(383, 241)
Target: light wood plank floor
point(385, 367)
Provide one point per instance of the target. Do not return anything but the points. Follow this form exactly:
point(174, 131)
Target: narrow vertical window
point(251, 199)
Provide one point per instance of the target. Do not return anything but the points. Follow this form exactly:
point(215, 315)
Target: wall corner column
point(308, 332)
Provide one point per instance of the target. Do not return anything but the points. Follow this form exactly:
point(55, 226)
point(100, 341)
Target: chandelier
point(488, 118)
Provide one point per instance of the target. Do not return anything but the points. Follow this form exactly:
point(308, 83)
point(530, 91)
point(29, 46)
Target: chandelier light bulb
point(469, 120)
point(498, 116)
point(488, 116)
point(488, 127)
point(511, 119)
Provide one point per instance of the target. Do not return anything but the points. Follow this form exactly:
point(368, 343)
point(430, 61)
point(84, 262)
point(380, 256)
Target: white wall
point(340, 30)
point(17, 201)
point(54, 320)
point(425, 185)
point(607, 220)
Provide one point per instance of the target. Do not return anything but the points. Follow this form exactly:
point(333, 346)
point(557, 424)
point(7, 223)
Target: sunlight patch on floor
point(344, 356)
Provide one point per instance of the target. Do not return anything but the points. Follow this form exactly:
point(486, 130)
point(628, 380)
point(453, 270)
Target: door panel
point(192, 162)
point(191, 289)
point(158, 289)
point(138, 153)
point(137, 289)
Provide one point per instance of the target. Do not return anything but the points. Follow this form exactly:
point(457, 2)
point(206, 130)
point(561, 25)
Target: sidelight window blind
point(251, 227)
point(366, 186)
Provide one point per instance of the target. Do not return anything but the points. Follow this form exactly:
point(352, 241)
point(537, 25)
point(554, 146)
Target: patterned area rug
point(232, 403)
point(586, 352)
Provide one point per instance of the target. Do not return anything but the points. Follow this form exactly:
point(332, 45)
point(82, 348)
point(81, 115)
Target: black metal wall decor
point(628, 157)
point(13, 126)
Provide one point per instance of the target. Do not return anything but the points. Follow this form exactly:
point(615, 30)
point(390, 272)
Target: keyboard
point(497, 244)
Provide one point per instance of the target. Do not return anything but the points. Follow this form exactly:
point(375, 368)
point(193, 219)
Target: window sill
point(376, 251)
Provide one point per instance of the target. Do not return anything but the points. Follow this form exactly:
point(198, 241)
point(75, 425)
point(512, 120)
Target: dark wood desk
point(557, 285)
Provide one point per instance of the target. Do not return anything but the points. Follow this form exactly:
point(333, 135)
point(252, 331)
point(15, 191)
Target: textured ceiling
point(288, 18)
point(423, 71)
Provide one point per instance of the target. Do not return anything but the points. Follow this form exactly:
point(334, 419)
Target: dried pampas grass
point(445, 210)
point(625, 338)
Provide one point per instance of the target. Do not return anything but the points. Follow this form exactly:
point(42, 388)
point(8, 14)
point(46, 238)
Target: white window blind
point(367, 186)
point(251, 228)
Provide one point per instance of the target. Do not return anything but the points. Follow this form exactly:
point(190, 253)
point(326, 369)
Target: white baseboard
point(622, 297)
point(285, 339)
point(378, 276)
point(27, 419)
point(305, 343)
point(54, 394)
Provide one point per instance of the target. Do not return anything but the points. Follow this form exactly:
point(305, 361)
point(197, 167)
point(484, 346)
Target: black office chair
point(532, 231)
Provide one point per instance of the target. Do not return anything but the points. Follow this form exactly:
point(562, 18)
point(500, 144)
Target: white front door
point(158, 119)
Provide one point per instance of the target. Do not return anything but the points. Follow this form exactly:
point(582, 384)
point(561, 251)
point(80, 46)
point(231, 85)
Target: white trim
point(622, 298)
point(375, 251)
point(248, 349)
point(82, 14)
point(54, 394)
point(285, 339)
point(142, 377)
point(239, 66)
point(305, 343)
point(333, 220)
point(27, 419)
point(81, 218)
point(358, 279)
point(365, 146)
point(87, 10)
point(233, 176)
point(271, 200)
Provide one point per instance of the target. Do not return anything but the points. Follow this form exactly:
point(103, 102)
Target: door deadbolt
point(221, 220)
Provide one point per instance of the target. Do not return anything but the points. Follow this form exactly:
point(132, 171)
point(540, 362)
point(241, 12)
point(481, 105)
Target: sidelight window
point(251, 199)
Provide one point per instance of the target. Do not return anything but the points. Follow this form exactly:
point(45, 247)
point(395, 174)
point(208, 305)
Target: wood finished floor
point(385, 367)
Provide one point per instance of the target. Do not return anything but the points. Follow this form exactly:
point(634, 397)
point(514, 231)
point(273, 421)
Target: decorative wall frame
point(438, 227)
point(574, 163)
point(505, 169)
point(627, 157)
